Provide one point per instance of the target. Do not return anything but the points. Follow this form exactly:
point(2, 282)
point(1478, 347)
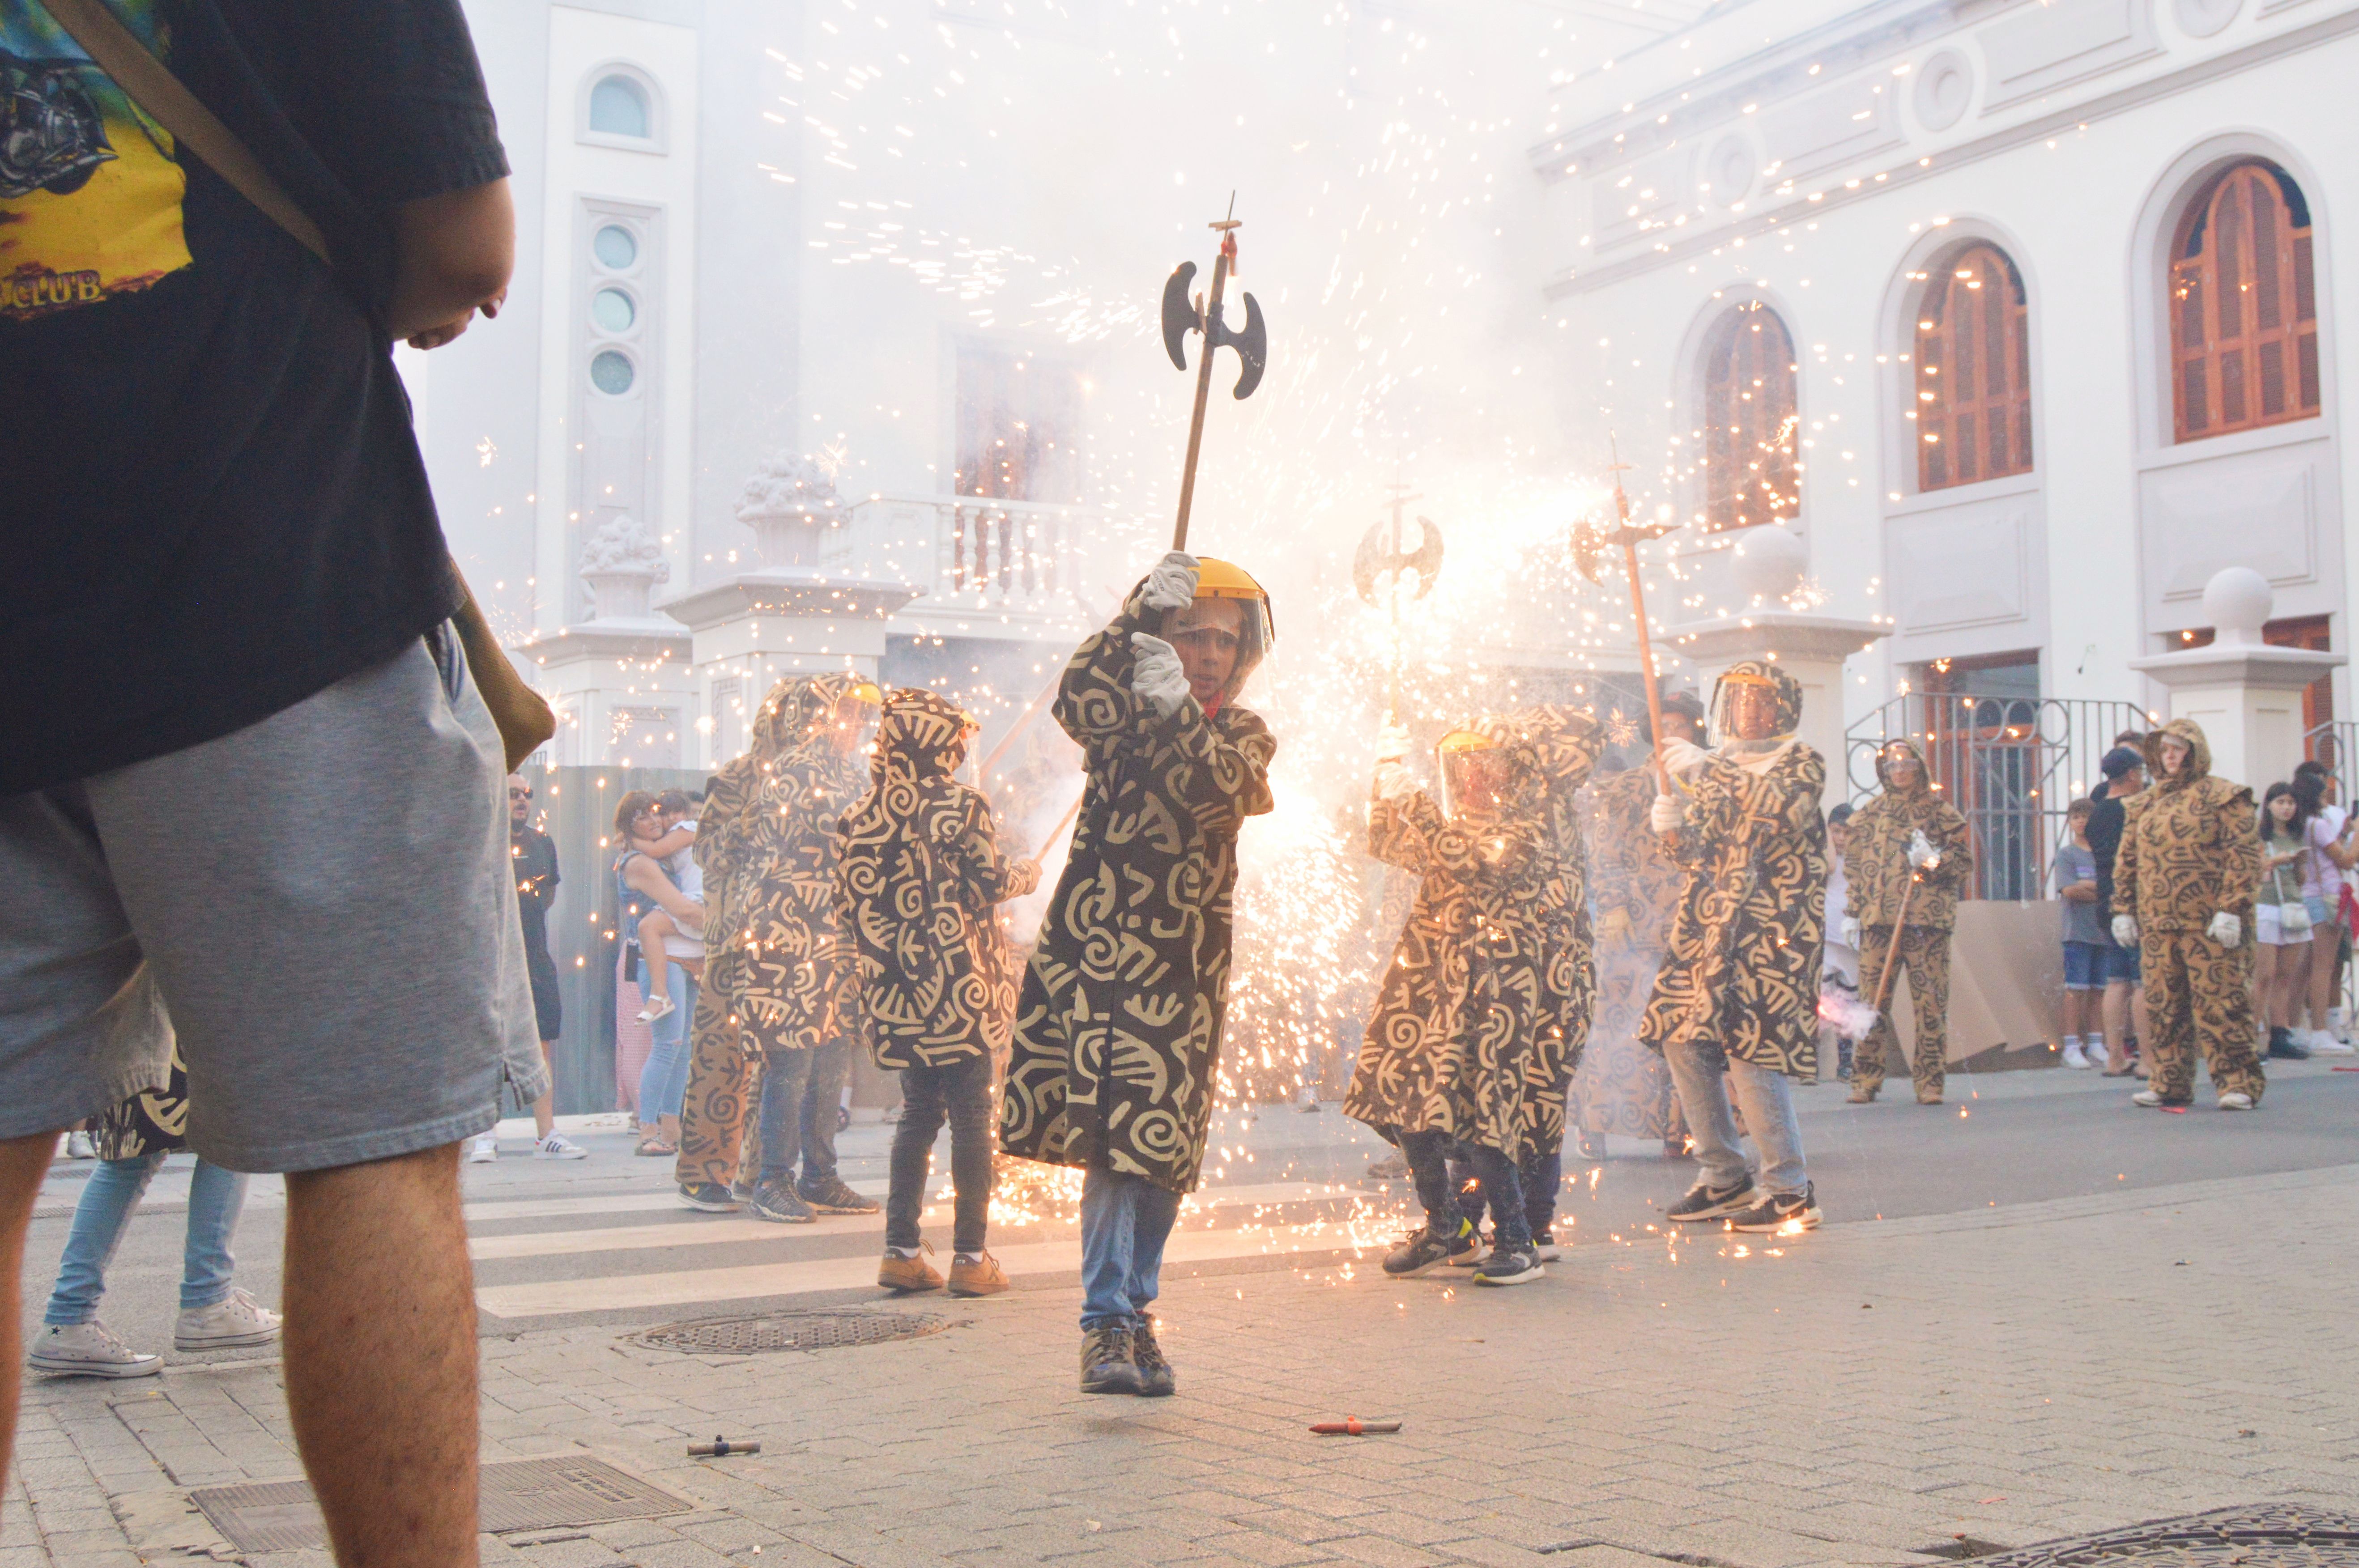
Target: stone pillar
point(2244, 693)
point(1768, 563)
point(620, 681)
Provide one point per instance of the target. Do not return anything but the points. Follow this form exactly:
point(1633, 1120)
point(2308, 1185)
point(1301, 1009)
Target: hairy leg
point(380, 1357)
point(23, 1162)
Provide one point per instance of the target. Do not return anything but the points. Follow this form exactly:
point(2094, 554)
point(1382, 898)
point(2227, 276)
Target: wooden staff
point(1032, 709)
point(1892, 948)
point(1638, 612)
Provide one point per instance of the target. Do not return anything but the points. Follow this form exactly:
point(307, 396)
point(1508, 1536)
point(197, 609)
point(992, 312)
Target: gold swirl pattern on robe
point(917, 882)
point(1633, 887)
point(1876, 857)
point(1118, 1024)
point(724, 849)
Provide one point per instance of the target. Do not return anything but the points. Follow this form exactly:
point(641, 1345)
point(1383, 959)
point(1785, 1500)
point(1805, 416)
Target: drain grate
point(518, 1494)
point(2273, 1535)
point(790, 1331)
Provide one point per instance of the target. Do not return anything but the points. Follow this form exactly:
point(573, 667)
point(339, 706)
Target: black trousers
point(1428, 1154)
point(962, 1094)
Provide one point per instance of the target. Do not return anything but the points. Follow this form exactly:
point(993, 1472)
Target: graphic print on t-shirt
point(90, 191)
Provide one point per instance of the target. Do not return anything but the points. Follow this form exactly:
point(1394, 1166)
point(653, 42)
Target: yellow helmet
point(1217, 579)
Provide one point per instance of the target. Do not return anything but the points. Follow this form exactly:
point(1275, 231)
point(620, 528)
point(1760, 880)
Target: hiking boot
point(980, 1276)
point(1705, 1202)
point(1510, 1266)
point(906, 1274)
point(776, 1202)
point(830, 1195)
point(1796, 1211)
point(89, 1350)
point(1423, 1251)
point(710, 1197)
point(1106, 1364)
point(1155, 1379)
point(233, 1322)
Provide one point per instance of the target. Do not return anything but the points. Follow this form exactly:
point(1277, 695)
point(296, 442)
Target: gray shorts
point(320, 904)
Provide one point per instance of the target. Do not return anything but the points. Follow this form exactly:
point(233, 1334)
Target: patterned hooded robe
point(2191, 843)
point(1876, 860)
point(1483, 1010)
point(1634, 888)
point(917, 882)
point(1118, 1025)
point(1740, 969)
point(794, 984)
point(725, 835)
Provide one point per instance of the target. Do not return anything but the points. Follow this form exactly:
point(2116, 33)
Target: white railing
point(976, 555)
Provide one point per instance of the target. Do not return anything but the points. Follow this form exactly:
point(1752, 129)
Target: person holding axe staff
point(1736, 1009)
point(1118, 1025)
point(1908, 854)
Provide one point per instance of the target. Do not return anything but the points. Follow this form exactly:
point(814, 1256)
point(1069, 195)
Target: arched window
point(1974, 372)
point(1749, 399)
point(618, 107)
point(2244, 305)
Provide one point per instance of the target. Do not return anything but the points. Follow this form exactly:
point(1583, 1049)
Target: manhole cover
point(518, 1494)
point(2275, 1535)
point(790, 1331)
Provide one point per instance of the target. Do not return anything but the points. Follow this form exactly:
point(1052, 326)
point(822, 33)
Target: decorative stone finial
point(2238, 601)
point(787, 501)
point(1768, 563)
point(623, 562)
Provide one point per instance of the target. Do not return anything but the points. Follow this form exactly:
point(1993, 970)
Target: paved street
point(2033, 1313)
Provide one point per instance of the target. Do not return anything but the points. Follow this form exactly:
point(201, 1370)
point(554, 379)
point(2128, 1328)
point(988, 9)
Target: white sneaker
point(657, 1007)
point(2146, 1098)
point(557, 1146)
point(79, 1146)
point(2073, 1057)
point(89, 1350)
point(237, 1319)
point(2233, 1100)
point(484, 1148)
point(2322, 1044)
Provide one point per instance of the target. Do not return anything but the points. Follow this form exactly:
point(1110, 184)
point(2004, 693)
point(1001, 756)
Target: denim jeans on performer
point(1428, 1154)
point(215, 1199)
point(1126, 1220)
point(801, 1091)
point(960, 1094)
point(1767, 1100)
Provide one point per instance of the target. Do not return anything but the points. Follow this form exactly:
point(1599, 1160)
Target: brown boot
point(1862, 1094)
point(903, 1275)
point(983, 1277)
point(1928, 1095)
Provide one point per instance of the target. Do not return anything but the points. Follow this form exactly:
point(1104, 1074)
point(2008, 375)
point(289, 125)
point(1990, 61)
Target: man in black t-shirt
point(246, 770)
point(2123, 1008)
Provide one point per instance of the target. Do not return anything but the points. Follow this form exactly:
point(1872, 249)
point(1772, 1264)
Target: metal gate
point(2012, 765)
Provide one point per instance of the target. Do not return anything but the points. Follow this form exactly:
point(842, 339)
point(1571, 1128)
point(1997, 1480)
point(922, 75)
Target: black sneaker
point(1705, 1202)
point(710, 1196)
point(1469, 1248)
point(776, 1202)
point(1510, 1266)
point(1800, 1210)
point(1155, 1379)
point(1107, 1365)
point(831, 1196)
point(2285, 1047)
point(1424, 1251)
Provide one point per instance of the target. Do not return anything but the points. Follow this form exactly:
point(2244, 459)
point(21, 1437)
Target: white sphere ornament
point(2237, 602)
point(1769, 563)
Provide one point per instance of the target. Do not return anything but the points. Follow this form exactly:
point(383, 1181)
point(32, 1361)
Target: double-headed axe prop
point(1373, 561)
point(1181, 317)
point(1589, 542)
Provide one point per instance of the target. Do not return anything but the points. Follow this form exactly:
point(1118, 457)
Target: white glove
point(1156, 672)
point(1393, 742)
point(1394, 781)
point(2227, 930)
point(1682, 757)
point(1172, 584)
point(1850, 932)
point(1922, 853)
point(1666, 814)
point(2125, 931)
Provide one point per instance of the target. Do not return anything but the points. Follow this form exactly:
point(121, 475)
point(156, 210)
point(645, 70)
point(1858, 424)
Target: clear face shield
point(1902, 767)
point(1478, 777)
point(853, 724)
point(1221, 642)
point(1745, 712)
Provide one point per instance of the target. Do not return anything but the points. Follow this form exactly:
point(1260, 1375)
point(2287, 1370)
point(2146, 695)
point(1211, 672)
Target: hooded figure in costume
point(1736, 1009)
point(1118, 1024)
point(1483, 1011)
point(1908, 844)
point(2183, 883)
point(788, 978)
point(919, 877)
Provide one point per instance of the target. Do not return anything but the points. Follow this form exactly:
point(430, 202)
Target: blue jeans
point(1539, 1177)
point(1124, 1222)
point(801, 1091)
point(215, 1199)
point(1769, 1102)
point(663, 1082)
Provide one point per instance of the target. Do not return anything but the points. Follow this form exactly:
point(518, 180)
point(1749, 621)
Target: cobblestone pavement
point(2004, 1372)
